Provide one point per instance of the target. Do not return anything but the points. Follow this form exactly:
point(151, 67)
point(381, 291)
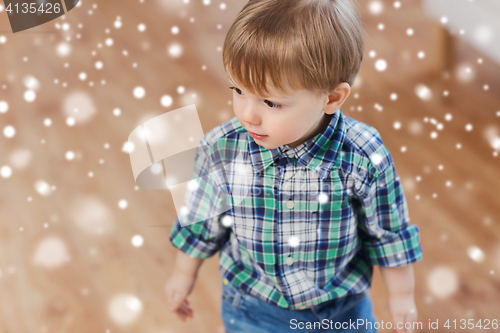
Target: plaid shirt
point(306, 224)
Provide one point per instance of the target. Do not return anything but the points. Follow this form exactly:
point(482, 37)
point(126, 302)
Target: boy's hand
point(403, 310)
point(178, 287)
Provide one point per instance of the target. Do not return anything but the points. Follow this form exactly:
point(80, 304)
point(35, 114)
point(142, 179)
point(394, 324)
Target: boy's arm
point(400, 284)
point(389, 240)
point(187, 265)
point(398, 280)
point(180, 283)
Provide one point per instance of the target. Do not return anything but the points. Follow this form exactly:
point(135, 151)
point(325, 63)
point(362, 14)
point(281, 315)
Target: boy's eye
point(238, 91)
point(272, 105)
point(269, 103)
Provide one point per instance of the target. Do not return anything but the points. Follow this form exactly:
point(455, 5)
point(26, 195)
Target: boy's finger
point(189, 312)
point(181, 311)
point(187, 309)
point(182, 314)
point(176, 301)
point(184, 307)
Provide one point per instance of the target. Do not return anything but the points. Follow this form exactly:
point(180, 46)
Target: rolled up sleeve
point(197, 230)
point(387, 236)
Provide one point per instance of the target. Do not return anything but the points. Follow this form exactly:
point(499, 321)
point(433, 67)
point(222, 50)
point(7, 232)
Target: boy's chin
point(267, 145)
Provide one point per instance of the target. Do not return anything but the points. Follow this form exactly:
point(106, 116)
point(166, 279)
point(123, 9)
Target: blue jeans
point(242, 312)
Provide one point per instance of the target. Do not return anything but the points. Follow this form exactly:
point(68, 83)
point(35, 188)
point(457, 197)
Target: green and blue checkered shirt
point(297, 226)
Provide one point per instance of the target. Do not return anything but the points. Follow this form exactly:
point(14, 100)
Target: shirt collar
point(320, 154)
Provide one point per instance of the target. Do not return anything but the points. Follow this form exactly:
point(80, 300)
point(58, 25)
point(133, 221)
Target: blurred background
point(83, 249)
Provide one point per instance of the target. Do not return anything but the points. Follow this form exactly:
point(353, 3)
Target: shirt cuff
point(182, 237)
point(401, 249)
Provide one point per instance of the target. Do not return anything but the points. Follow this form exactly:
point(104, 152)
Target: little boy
point(323, 202)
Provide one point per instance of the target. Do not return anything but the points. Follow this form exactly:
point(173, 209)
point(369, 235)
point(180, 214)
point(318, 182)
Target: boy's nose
point(251, 116)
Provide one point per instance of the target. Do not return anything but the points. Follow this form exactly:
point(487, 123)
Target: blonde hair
point(303, 44)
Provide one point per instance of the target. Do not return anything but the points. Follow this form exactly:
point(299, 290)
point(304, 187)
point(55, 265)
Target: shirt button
point(290, 204)
point(289, 261)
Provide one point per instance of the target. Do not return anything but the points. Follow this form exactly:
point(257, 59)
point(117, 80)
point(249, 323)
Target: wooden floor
point(67, 263)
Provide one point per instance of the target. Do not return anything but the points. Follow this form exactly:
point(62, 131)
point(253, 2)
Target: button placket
point(286, 180)
point(312, 231)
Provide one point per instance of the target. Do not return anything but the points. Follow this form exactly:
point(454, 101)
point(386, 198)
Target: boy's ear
point(337, 98)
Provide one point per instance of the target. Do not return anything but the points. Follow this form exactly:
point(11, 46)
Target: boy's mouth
point(257, 136)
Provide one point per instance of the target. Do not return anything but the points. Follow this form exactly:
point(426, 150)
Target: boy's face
point(286, 119)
